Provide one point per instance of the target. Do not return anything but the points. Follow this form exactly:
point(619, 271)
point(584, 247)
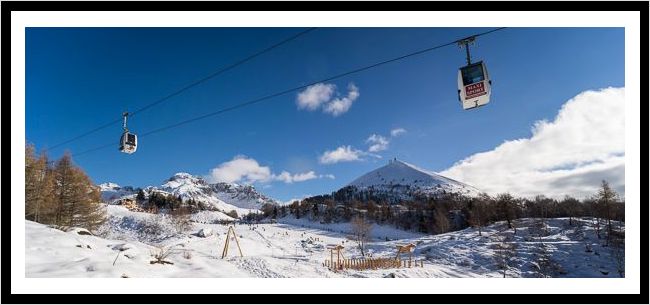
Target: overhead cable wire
point(270, 96)
point(181, 90)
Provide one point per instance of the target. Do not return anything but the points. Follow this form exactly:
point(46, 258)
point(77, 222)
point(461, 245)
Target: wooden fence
point(372, 263)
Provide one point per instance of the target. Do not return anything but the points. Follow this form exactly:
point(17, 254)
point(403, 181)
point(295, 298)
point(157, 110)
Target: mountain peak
point(182, 178)
point(181, 175)
point(399, 163)
point(400, 173)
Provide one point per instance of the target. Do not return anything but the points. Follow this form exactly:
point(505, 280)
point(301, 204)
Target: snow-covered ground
point(297, 248)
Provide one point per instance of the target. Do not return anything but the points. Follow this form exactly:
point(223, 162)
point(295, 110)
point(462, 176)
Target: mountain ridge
point(221, 195)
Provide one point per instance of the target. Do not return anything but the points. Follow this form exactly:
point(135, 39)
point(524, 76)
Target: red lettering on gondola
point(474, 90)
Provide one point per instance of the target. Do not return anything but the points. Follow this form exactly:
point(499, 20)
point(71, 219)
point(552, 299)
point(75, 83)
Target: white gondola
point(128, 141)
point(474, 84)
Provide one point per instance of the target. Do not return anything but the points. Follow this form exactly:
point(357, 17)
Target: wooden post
point(225, 246)
point(237, 240)
point(227, 243)
point(339, 261)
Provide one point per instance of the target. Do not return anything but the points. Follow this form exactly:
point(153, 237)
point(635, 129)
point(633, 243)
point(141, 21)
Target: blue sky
point(80, 78)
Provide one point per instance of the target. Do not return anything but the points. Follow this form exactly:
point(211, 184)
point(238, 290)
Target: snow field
point(297, 248)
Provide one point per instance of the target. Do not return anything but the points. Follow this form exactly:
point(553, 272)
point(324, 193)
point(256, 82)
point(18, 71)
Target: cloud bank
point(570, 155)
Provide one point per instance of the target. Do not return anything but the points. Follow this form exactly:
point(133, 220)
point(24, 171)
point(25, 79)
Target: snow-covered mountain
point(401, 180)
point(243, 196)
point(193, 187)
point(112, 191)
point(222, 196)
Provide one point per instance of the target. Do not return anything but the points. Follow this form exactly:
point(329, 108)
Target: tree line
point(447, 212)
point(157, 201)
point(60, 193)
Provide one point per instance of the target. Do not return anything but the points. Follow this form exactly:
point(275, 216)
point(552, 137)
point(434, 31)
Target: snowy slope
point(243, 196)
point(54, 253)
point(401, 177)
point(146, 227)
point(291, 248)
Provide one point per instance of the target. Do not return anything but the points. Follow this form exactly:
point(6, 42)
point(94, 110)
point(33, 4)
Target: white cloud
point(314, 96)
point(397, 132)
point(583, 145)
point(340, 106)
point(377, 143)
point(328, 176)
point(241, 169)
point(341, 154)
point(287, 177)
point(380, 143)
point(322, 94)
point(248, 170)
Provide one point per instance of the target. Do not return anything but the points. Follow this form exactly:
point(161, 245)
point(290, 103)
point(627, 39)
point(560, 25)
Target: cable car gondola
point(128, 141)
point(474, 84)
